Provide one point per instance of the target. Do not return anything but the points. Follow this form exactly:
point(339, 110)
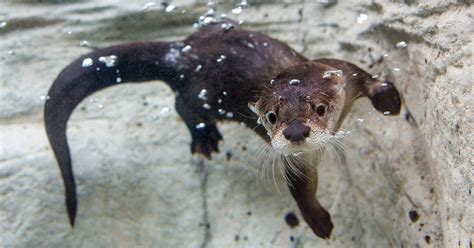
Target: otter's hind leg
point(303, 185)
point(204, 132)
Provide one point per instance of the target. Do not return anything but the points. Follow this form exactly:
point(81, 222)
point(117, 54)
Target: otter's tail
point(106, 67)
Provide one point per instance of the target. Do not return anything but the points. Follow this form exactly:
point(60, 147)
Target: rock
point(403, 181)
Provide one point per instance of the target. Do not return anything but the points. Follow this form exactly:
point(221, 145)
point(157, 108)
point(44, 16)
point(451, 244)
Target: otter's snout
point(296, 131)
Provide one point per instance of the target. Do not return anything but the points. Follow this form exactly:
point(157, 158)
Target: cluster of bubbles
point(330, 73)
point(341, 134)
point(203, 96)
point(221, 58)
point(239, 6)
point(109, 61)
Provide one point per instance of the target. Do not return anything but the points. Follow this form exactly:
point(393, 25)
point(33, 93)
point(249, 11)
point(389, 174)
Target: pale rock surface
point(139, 186)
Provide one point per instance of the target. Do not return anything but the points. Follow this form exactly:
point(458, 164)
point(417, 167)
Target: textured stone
point(138, 185)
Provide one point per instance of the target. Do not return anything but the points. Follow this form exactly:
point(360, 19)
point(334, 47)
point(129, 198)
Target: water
point(131, 150)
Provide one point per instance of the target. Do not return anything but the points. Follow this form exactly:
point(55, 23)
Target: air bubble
point(206, 106)
point(87, 62)
point(386, 113)
point(249, 44)
point(401, 44)
point(272, 82)
point(229, 115)
point(201, 125)
point(396, 69)
point(362, 18)
point(100, 106)
point(84, 43)
point(294, 81)
point(360, 120)
point(224, 93)
point(328, 74)
point(296, 154)
point(118, 79)
point(219, 100)
point(3, 24)
point(186, 49)
point(170, 8)
point(148, 5)
point(221, 111)
point(44, 98)
point(203, 95)
point(165, 110)
point(198, 68)
point(237, 10)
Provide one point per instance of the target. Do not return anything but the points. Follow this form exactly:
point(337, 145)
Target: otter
point(225, 73)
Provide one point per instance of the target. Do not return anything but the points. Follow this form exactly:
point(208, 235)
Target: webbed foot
point(319, 220)
point(206, 140)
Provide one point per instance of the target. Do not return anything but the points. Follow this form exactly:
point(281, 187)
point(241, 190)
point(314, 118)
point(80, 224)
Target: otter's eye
point(271, 117)
point(321, 110)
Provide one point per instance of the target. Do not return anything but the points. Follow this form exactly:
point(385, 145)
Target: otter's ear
point(385, 97)
point(253, 107)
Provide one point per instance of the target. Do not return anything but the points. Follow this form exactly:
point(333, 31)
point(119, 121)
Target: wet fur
point(251, 60)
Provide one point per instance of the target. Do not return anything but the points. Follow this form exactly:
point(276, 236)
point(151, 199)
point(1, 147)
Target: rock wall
point(405, 181)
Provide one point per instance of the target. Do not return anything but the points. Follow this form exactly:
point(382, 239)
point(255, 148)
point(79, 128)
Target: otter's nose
point(296, 131)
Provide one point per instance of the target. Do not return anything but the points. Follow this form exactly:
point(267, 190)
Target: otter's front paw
point(205, 140)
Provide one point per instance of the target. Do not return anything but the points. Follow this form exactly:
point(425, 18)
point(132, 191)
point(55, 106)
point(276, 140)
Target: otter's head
point(304, 106)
